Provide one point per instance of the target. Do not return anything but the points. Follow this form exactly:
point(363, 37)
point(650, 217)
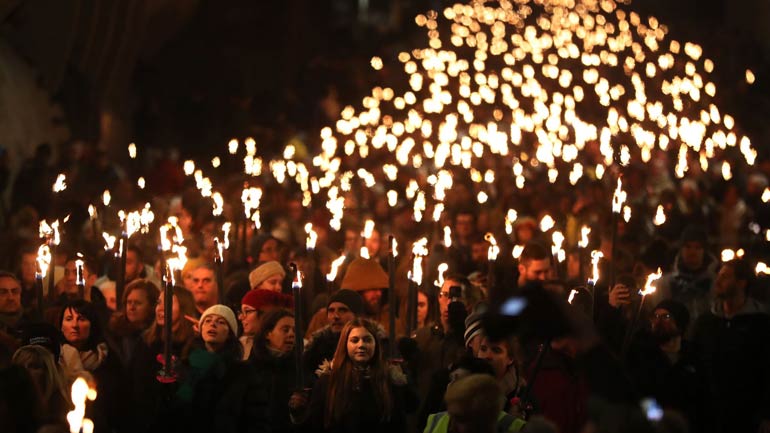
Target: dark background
point(194, 73)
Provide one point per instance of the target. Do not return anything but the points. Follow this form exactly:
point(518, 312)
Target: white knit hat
point(223, 311)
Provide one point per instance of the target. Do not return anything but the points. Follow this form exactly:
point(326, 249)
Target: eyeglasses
point(665, 316)
point(247, 312)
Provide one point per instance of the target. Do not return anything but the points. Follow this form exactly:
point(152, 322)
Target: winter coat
point(320, 348)
point(735, 353)
point(278, 374)
point(363, 415)
point(437, 351)
point(679, 385)
point(692, 288)
point(220, 394)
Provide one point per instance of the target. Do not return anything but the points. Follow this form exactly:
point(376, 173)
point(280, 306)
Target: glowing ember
point(132, 151)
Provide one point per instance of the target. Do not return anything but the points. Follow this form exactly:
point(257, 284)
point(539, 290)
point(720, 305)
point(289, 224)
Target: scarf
point(78, 362)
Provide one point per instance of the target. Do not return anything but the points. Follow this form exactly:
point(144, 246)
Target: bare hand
point(194, 321)
point(620, 295)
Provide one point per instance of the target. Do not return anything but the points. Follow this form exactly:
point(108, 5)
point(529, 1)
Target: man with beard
point(732, 342)
point(367, 277)
point(344, 306)
point(664, 366)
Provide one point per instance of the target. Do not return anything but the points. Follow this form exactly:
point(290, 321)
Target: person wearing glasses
point(663, 365)
point(254, 306)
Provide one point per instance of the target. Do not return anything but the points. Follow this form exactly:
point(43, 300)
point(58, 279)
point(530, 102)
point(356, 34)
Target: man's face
point(464, 225)
point(726, 284)
point(663, 325)
point(338, 315)
point(10, 296)
point(534, 270)
point(444, 300)
point(133, 266)
point(204, 287)
point(352, 241)
point(372, 299)
point(28, 267)
point(692, 255)
point(479, 251)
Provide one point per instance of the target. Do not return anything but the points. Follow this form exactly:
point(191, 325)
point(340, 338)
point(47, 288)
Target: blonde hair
point(54, 379)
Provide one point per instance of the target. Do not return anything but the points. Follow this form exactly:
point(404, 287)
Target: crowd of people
point(523, 342)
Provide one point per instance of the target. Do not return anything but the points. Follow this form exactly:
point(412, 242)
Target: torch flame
point(510, 218)
point(132, 150)
point(660, 216)
point(368, 229)
point(60, 184)
point(442, 268)
point(572, 294)
point(43, 260)
point(595, 257)
point(517, 250)
point(584, 232)
point(106, 197)
point(447, 236)
point(618, 198)
point(335, 266)
point(546, 223)
point(493, 249)
point(762, 268)
point(226, 234)
point(649, 287)
point(312, 237)
point(92, 211)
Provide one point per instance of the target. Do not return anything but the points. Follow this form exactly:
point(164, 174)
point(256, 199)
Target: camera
point(455, 294)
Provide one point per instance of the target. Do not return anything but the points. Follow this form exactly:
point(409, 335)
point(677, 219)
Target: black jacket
point(278, 375)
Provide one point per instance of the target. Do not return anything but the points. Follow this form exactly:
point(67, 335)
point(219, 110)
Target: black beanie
point(695, 233)
point(350, 298)
point(678, 312)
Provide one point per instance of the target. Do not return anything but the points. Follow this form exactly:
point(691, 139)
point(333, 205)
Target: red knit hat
point(262, 298)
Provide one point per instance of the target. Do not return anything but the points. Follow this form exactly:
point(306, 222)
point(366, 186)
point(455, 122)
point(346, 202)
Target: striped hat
point(473, 322)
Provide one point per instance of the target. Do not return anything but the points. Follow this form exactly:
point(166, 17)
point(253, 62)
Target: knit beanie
point(364, 274)
point(695, 233)
point(473, 322)
point(350, 298)
point(263, 298)
point(265, 271)
point(678, 312)
point(225, 312)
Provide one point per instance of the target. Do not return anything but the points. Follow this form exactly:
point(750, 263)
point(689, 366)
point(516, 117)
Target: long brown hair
point(184, 333)
point(341, 380)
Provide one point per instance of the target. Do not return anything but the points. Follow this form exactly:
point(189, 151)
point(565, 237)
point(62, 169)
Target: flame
point(80, 279)
point(43, 260)
point(92, 211)
point(546, 223)
point(335, 266)
point(79, 394)
point(584, 232)
point(438, 209)
point(368, 229)
point(510, 218)
point(297, 283)
point(660, 216)
point(727, 173)
point(219, 204)
point(140, 183)
point(558, 241)
point(649, 287)
point(572, 294)
point(189, 167)
point(226, 234)
point(394, 247)
point(493, 249)
point(447, 236)
point(516, 251)
point(595, 257)
point(232, 146)
point(626, 213)
point(419, 206)
point(106, 197)
point(60, 184)
point(618, 198)
point(220, 249)
point(364, 253)
point(109, 241)
point(419, 250)
point(728, 255)
point(762, 268)
point(749, 76)
point(312, 237)
point(766, 195)
point(132, 150)
point(216, 162)
point(442, 268)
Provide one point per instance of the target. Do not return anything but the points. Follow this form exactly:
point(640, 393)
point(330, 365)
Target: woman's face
point(160, 315)
point(422, 308)
point(269, 251)
point(496, 354)
point(273, 283)
point(361, 345)
point(138, 308)
point(214, 329)
point(249, 317)
point(281, 338)
point(75, 327)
